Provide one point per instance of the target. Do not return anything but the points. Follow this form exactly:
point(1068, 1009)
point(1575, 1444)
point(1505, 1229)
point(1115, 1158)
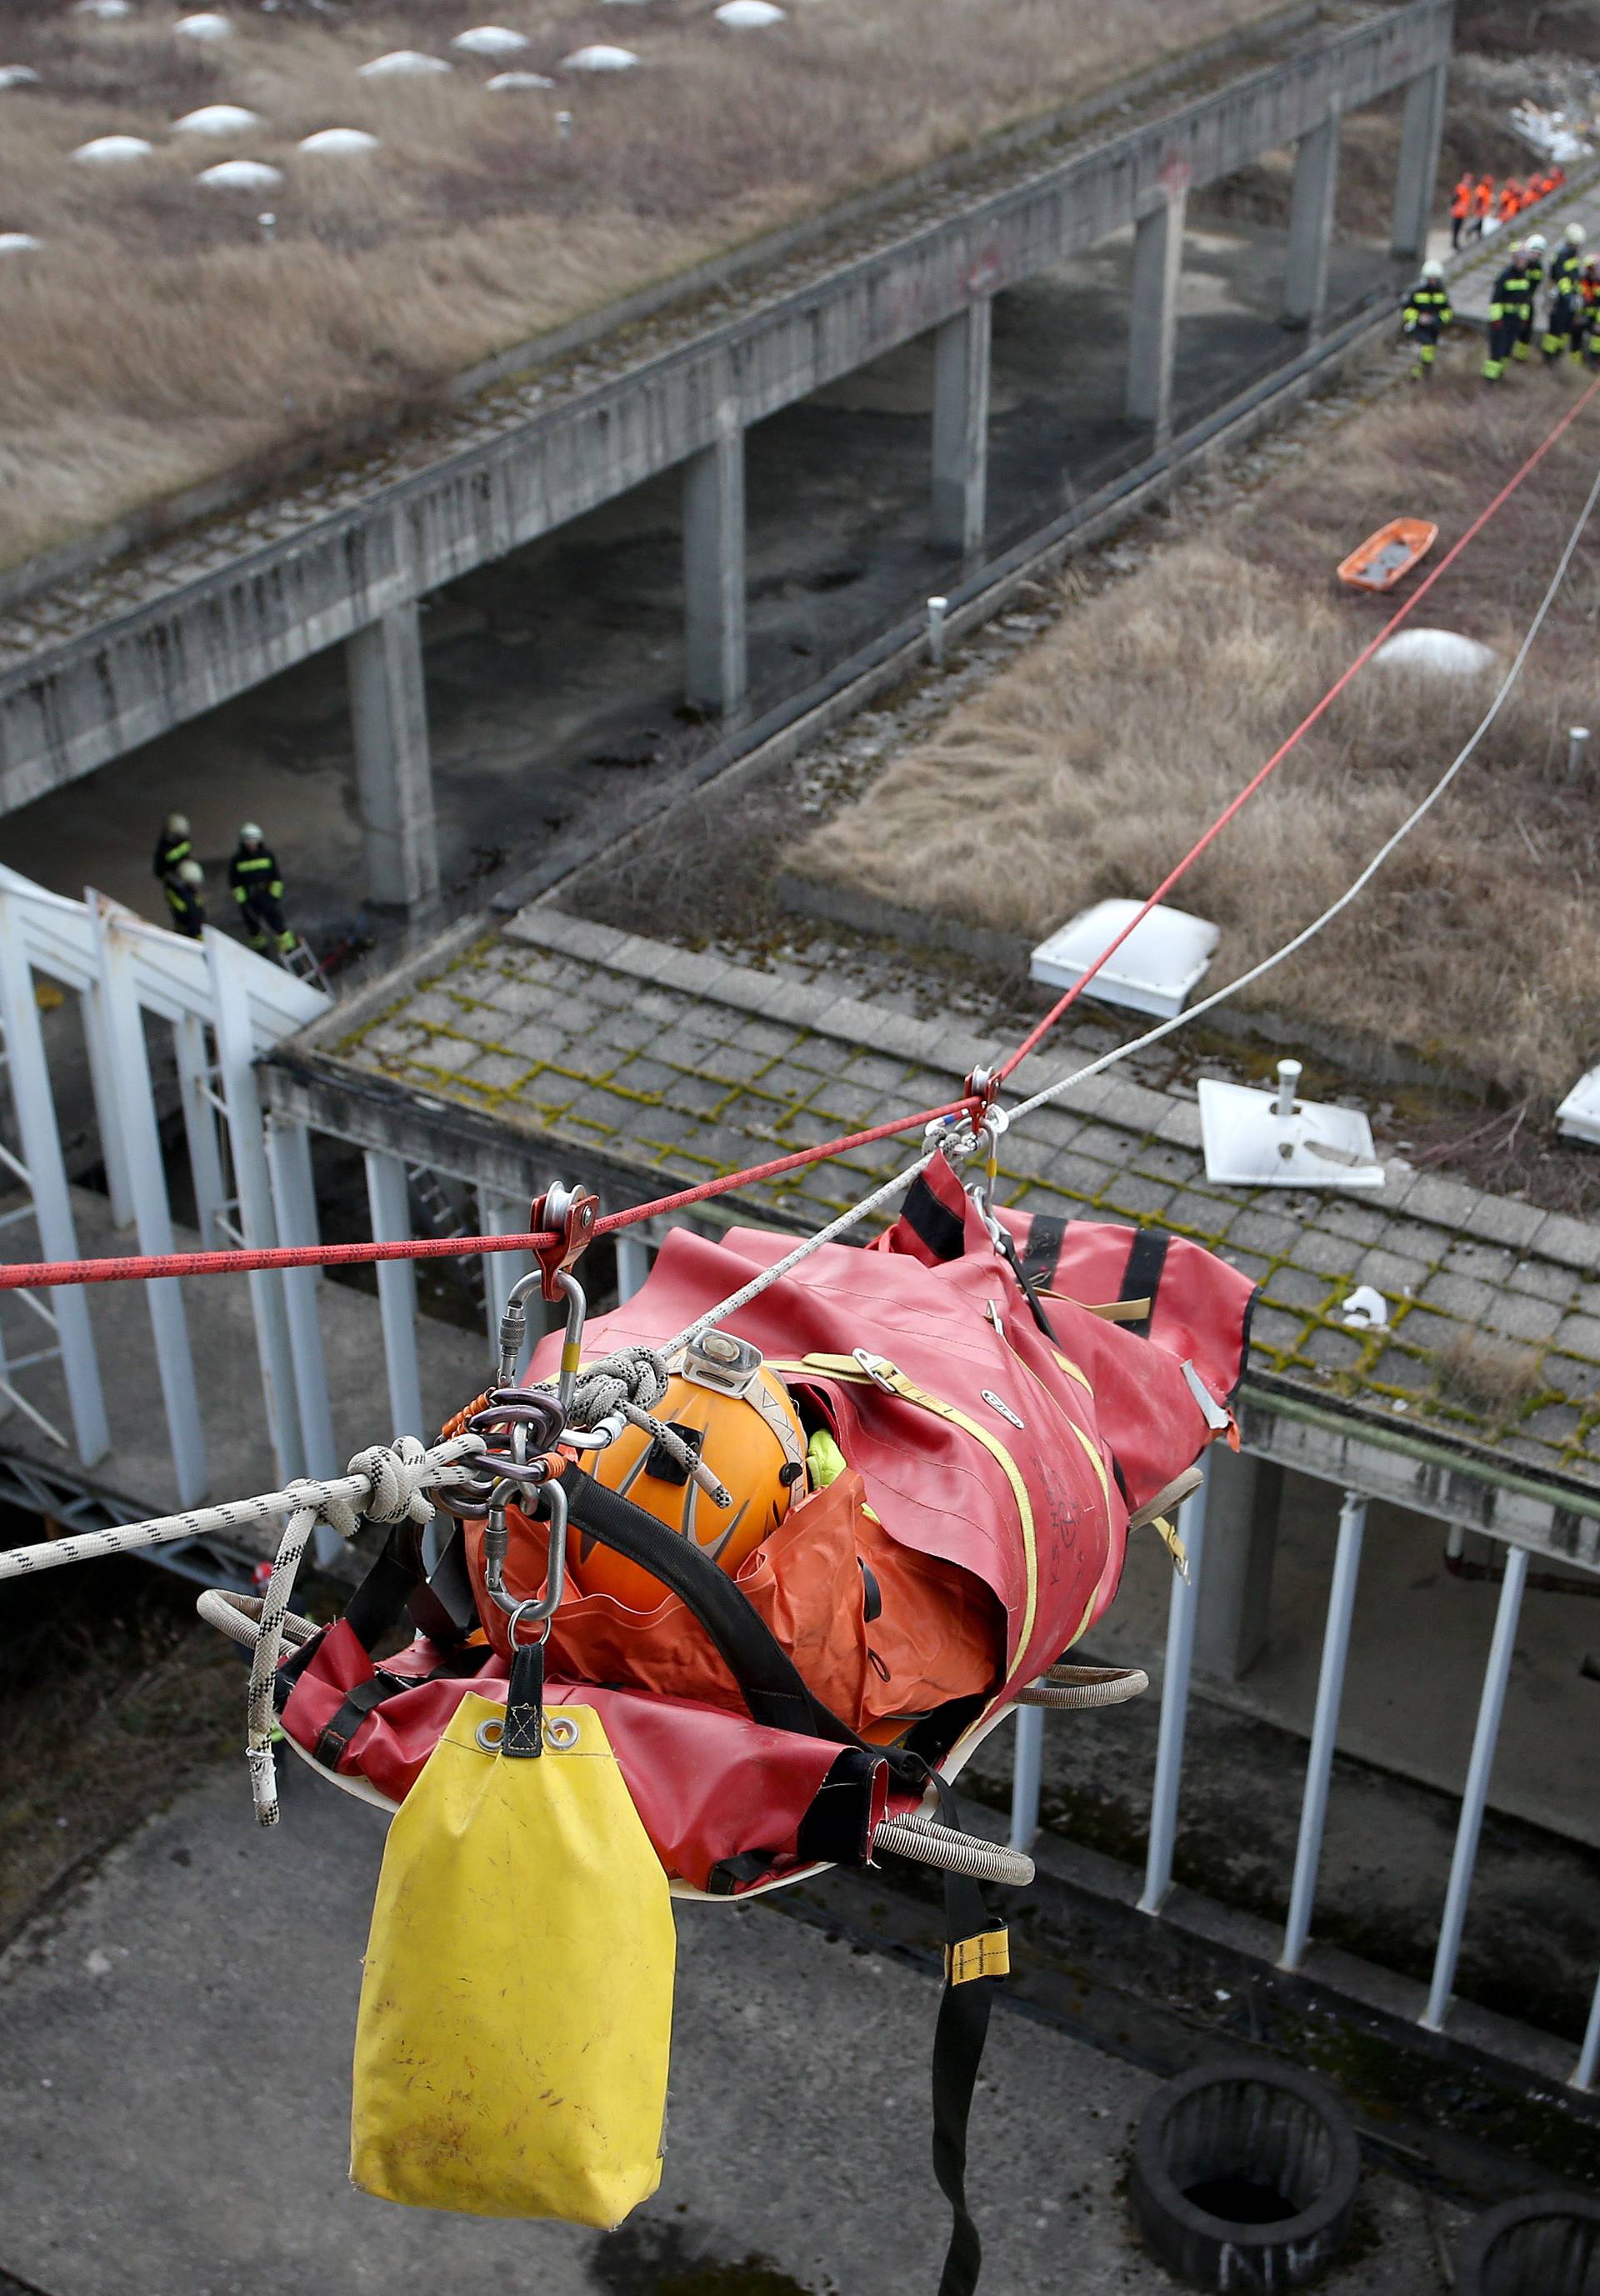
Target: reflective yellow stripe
point(1073, 1372)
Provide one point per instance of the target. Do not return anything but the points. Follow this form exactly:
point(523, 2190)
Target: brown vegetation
point(156, 341)
point(1089, 767)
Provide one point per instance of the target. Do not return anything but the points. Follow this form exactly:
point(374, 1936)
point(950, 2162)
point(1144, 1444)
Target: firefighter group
point(1571, 279)
point(254, 878)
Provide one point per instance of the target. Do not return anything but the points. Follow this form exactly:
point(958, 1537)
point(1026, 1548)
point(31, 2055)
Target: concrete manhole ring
point(1548, 2246)
point(1244, 2176)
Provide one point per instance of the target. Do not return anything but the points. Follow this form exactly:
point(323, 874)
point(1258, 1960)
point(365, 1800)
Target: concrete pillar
point(717, 675)
point(1311, 226)
point(1418, 176)
point(960, 362)
point(1242, 1522)
point(1158, 262)
point(394, 773)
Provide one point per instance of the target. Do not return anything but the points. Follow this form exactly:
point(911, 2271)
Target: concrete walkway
point(174, 2094)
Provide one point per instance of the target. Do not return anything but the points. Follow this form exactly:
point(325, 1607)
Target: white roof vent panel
point(1156, 970)
point(1579, 1116)
point(600, 58)
point(240, 175)
point(1276, 1140)
point(339, 143)
point(403, 63)
point(489, 40)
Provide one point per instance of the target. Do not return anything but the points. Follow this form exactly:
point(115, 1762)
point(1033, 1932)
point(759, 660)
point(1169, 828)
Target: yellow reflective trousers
point(516, 2008)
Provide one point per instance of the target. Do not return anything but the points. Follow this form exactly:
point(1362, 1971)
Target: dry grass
point(1090, 765)
point(155, 342)
point(1490, 1374)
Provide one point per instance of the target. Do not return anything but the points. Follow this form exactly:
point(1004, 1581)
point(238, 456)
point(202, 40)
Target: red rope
point(1065, 1002)
point(50, 1273)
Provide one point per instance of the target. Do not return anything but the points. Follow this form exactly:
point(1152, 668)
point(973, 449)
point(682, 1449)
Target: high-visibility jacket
point(250, 874)
point(188, 910)
point(1461, 206)
point(1428, 309)
point(1513, 291)
point(1511, 200)
point(1483, 198)
point(169, 851)
point(1564, 267)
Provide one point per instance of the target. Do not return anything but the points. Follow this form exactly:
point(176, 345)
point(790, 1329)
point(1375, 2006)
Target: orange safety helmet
point(740, 1420)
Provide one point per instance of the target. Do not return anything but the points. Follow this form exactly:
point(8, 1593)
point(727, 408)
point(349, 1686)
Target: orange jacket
point(1511, 200)
point(1483, 198)
point(1461, 206)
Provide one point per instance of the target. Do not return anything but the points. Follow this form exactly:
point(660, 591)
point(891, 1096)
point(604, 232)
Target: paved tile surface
point(682, 1067)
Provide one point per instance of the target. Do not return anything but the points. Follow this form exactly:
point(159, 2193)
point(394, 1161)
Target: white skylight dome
point(206, 26)
point(18, 76)
point(19, 242)
point(110, 11)
point(403, 63)
point(240, 175)
point(749, 15)
point(600, 58)
point(217, 119)
point(512, 79)
point(113, 151)
point(490, 40)
point(339, 143)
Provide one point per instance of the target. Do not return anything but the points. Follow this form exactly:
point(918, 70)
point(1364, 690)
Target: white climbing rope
point(375, 1485)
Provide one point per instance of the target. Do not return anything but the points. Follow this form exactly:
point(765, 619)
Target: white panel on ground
point(1448, 654)
point(1275, 1140)
point(1156, 970)
point(1579, 1116)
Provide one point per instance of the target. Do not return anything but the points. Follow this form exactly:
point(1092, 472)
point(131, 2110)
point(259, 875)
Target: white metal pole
point(136, 1114)
point(1588, 2056)
point(40, 1142)
point(633, 1263)
point(1324, 1727)
point(506, 1216)
point(200, 1128)
point(294, 1195)
point(390, 1199)
point(1577, 742)
point(226, 963)
point(1027, 1771)
point(936, 631)
point(92, 1002)
point(1492, 1706)
point(1175, 1705)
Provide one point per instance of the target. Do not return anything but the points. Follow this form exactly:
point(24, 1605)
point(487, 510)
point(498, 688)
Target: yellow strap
point(986, 1955)
point(1110, 1311)
point(1166, 1531)
point(845, 1367)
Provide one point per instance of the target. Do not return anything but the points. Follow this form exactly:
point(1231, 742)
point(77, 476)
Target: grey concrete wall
point(75, 707)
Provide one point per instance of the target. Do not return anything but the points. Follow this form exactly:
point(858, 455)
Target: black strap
point(769, 1682)
point(1142, 1276)
point(1036, 1305)
point(958, 2039)
point(934, 1224)
point(524, 1738)
point(334, 1737)
point(1042, 1256)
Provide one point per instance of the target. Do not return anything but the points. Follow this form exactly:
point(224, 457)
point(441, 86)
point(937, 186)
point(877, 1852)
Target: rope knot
point(400, 1473)
point(338, 1514)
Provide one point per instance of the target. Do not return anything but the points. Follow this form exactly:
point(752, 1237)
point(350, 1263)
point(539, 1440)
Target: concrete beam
point(1311, 226)
point(961, 366)
point(1421, 133)
point(715, 669)
point(394, 773)
point(200, 639)
point(1158, 263)
point(1243, 1505)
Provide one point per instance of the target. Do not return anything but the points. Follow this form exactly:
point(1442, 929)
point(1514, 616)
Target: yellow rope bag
point(516, 2006)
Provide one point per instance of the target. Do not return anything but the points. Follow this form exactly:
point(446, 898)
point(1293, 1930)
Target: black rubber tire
point(1546, 2246)
point(1268, 2128)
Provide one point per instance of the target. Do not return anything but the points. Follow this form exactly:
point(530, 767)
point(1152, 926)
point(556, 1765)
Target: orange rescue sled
point(1385, 556)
